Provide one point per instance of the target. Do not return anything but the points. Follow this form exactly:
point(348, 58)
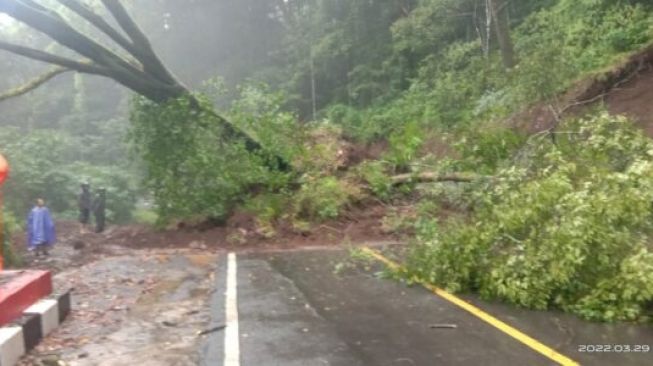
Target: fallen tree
point(571, 230)
point(432, 177)
point(137, 67)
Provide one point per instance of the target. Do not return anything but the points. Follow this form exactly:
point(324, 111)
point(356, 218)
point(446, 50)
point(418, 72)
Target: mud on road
point(139, 307)
point(141, 296)
point(300, 307)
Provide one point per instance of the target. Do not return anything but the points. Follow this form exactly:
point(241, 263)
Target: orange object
point(4, 169)
point(2, 231)
point(4, 173)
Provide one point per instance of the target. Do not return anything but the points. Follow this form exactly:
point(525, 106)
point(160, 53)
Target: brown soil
point(359, 225)
point(635, 100)
point(73, 249)
point(627, 88)
point(357, 153)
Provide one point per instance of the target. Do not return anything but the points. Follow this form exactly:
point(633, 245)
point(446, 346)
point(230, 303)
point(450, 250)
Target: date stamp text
point(618, 348)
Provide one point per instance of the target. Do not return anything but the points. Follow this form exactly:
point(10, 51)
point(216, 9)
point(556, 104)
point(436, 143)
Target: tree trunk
point(313, 86)
point(499, 12)
point(430, 177)
point(140, 70)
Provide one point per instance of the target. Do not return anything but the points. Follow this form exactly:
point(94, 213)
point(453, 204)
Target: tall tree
point(499, 11)
point(137, 67)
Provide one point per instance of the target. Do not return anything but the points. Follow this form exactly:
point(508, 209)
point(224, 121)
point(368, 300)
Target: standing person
point(40, 229)
point(99, 208)
point(84, 203)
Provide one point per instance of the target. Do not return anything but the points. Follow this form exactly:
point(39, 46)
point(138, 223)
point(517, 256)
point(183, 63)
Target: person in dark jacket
point(84, 204)
point(99, 209)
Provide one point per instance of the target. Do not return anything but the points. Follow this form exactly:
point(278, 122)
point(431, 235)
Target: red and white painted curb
point(20, 290)
point(36, 322)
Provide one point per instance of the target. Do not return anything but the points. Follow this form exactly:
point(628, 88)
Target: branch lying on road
point(211, 330)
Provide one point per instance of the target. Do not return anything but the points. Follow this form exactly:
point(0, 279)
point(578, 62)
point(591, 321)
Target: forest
point(484, 127)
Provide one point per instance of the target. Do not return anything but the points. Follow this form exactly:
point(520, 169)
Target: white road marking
point(231, 335)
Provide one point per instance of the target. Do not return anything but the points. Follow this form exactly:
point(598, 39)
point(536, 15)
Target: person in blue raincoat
point(40, 229)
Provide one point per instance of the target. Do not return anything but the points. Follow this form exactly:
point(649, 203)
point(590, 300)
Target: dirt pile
point(626, 88)
point(635, 99)
point(360, 224)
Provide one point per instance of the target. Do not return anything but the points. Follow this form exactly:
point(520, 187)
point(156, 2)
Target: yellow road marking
point(505, 328)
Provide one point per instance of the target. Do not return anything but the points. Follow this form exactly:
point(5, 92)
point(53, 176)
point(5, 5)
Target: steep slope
point(625, 88)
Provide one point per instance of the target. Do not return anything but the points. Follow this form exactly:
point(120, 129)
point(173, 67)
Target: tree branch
point(42, 8)
point(50, 23)
point(150, 79)
point(81, 66)
point(151, 62)
point(97, 21)
point(33, 84)
point(112, 65)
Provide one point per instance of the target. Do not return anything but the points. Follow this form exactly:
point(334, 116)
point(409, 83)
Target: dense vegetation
point(567, 226)
point(559, 219)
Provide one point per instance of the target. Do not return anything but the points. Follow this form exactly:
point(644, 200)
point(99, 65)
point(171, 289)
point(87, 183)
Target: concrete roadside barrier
point(36, 322)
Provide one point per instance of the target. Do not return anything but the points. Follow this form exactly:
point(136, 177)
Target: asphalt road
point(310, 308)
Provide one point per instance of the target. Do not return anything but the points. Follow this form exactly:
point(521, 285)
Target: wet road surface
point(317, 308)
point(140, 308)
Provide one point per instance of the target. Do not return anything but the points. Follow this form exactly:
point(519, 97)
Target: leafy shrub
point(322, 150)
point(121, 191)
point(10, 226)
point(260, 113)
point(483, 149)
point(45, 165)
point(453, 196)
point(404, 145)
point(38, 163)
point(349, 118)
point(569, 230)
point(268, 208)
point(145, 216)
point(374, 173)
point(558, 44)
point(324, 198)
point(190, 169)
point(452, 81)
point(457, 86)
